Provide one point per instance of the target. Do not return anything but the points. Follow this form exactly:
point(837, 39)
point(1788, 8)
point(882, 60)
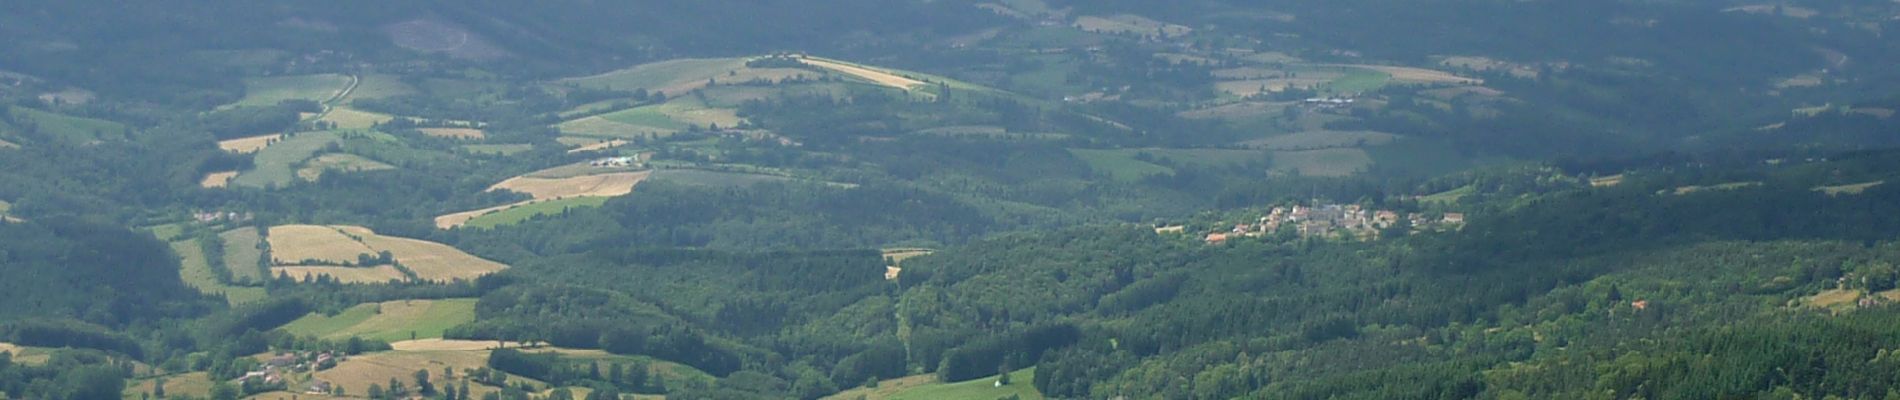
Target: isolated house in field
point(1455, 218)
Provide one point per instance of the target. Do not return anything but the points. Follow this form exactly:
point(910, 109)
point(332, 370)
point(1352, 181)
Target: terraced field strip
point(248, 145)
point(876, 76)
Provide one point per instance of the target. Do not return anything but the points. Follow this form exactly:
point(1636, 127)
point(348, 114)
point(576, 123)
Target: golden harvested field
point(599, 145)
point(454, 133)
point(293, 244)
point(378, 274)
point(1848, 189)
point(290, 244)
point(1833, 299)
point(358, 372)
point(433, 261)
point(1130, 24)
point(217, 179)
point(1414, 75)
point(608, 185)
point(877, 76)
point(247, 145)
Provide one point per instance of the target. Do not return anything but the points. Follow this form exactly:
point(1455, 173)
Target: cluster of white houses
point(1333, 220)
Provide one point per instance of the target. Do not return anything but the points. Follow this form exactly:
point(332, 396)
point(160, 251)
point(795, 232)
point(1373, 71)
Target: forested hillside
point(949, 199)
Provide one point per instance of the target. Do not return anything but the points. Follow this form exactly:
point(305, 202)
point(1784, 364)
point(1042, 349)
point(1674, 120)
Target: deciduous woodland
point(949, 199)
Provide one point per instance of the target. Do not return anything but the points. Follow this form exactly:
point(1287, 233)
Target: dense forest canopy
point(861, 199)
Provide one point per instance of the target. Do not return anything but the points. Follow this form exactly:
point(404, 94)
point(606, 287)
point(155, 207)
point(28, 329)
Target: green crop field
point(166, 232)
point(70, 128)
point(376, 86)
point(1448, 197)
point(1358, 81)
point(341, 162)
point(1119, 164)
point(271, 90)
point(388, 321)
point(197, 273)
point(523, 213)
point(1021, 384)
point(277, 165)
point(242, 254)
point(653, 117)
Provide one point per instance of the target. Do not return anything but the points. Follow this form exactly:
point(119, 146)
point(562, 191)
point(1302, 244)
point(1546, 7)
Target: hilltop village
point(1329, 221)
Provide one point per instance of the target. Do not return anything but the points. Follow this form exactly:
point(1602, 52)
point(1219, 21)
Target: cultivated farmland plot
point(310, 248)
